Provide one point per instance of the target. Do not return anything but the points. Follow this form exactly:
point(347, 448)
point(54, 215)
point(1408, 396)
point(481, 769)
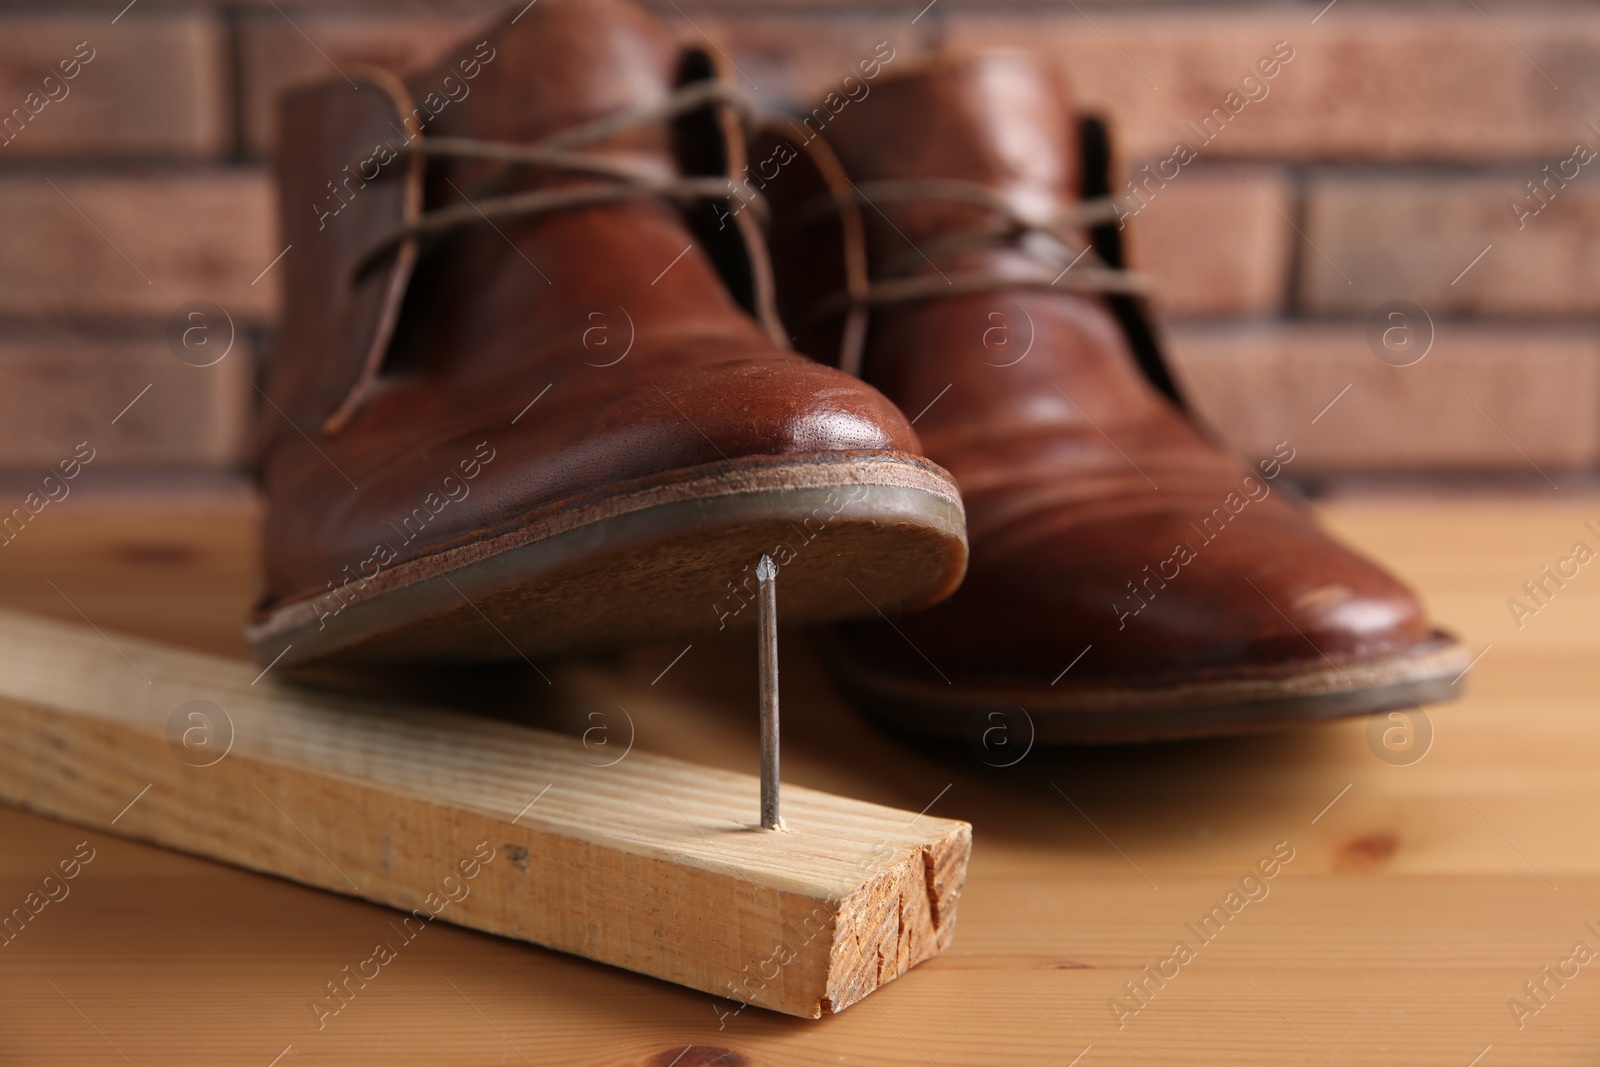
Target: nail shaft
point(767, 611)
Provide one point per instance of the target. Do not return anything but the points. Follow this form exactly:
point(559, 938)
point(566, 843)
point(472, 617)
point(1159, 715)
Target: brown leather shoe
point(1128, 578)
point(529, 395)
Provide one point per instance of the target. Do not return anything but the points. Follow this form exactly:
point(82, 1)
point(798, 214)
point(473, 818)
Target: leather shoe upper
point(640, 330)
point(1098, 513)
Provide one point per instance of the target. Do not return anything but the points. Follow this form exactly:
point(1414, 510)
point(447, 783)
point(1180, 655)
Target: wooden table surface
point(1420, 898)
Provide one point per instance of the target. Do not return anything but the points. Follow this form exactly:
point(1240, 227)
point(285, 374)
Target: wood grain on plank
point(647, 863)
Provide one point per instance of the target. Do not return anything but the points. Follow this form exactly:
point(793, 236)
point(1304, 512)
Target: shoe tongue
point(1002, 118)
point(557, 65)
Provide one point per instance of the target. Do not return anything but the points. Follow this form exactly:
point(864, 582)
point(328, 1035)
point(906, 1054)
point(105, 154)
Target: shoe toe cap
point(1158, 602)
point(771, 406)
point(585, 439)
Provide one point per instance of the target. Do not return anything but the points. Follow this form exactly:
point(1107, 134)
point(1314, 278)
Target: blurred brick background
point(1382, 164)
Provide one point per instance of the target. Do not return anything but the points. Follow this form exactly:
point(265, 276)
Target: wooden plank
point(641, 861)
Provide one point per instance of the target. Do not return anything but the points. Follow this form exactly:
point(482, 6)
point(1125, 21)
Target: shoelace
point(900, 280)
point(619, 181)
point(616, 182)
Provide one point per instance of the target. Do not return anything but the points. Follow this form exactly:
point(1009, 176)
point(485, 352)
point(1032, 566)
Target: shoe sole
point(659, 559)
point(1427, 673)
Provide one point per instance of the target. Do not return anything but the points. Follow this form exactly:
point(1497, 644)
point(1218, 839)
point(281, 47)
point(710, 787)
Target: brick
point(58, 388)
point(1215, 239)
point(275, 54)
point(137, 245)
point(1365, 82)
point(1536, 389)
point(1410, 236)
point(154, 86)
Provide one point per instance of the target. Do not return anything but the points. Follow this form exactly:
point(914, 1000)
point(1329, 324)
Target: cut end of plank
point(897, 920)
point(640, 863)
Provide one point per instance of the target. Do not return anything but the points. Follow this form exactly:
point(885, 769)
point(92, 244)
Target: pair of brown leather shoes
point(533, 396)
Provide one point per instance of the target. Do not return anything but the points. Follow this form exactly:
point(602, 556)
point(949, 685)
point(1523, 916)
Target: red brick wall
point(1381, 164)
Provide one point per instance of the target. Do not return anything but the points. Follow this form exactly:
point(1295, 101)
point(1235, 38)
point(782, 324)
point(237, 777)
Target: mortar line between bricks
point(1299, 231)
